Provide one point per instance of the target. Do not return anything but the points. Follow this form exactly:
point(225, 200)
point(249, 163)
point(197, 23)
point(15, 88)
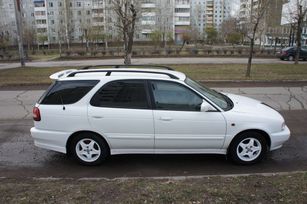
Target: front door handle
point(166, 118)
point(97, 117)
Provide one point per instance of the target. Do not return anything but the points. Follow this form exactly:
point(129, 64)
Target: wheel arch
point(263, 133)
point(68, 143)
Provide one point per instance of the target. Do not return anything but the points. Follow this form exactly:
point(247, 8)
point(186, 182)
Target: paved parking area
point(18, 104)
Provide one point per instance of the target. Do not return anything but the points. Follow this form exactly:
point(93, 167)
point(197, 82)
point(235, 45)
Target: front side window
point(67, 92)
point(122, 94)
point(173, 96)
point(219, 99)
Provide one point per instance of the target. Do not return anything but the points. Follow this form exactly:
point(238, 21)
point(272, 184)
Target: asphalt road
point(19, 158)
point(179, 60)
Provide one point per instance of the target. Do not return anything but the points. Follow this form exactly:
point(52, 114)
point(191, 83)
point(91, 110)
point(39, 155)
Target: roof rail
point(129, 66)
point(109, 72)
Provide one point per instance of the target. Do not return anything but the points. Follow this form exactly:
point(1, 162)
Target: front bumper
point(277, 139)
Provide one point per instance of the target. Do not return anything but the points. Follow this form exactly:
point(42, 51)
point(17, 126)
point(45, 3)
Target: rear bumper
point(52, 140)
point(277, 139)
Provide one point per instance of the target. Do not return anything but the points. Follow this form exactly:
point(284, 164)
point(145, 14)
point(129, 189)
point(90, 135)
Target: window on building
point(78, 4)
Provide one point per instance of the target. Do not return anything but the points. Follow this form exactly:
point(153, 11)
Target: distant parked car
point(290, 52)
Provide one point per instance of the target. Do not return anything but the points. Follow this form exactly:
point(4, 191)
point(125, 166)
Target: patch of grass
point(202, 72)
point(246, 189)
point(42, 57)
point(263, 72)
point(27, 76)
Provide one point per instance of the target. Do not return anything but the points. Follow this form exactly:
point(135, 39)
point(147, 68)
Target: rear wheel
point(248, 148)
point(291, 58)
point(89, 149)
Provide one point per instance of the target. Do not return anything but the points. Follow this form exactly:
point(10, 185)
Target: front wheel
point(291, 58)
point(248, 148)
point(89, 149)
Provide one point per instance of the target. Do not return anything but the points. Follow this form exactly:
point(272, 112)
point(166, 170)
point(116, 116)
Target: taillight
point(36, 114)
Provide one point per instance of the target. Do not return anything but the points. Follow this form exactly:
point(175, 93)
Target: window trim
point(148, 98)
point(180, 84)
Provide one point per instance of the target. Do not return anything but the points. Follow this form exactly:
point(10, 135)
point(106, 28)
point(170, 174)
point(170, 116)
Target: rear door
point(61, 108)
point(121, 111)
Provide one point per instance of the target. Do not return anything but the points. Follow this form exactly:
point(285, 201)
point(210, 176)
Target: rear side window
point(122, 94)
point(67, 92)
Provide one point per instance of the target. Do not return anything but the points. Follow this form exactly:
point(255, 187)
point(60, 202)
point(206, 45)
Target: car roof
point(117, 73)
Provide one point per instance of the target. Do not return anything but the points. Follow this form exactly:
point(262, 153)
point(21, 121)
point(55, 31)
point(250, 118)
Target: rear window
point(67, 92)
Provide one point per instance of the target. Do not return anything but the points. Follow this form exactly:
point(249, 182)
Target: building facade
point(209, 14)
point(80, 21)
point(8, 28)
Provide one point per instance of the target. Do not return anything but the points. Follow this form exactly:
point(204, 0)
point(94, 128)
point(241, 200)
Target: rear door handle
point(166, 118)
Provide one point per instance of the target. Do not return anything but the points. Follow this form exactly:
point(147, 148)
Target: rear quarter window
point(67, 92)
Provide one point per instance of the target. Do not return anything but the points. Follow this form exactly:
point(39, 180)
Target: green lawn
point(290, 188)
point(260, 72)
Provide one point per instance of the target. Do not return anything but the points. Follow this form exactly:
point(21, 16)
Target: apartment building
point(182, 18)
point(270, 25)
point(156, 15)
point(209, 13)
point(74, 21)
point(8, 28)
point(288, 21)
point(69, 21)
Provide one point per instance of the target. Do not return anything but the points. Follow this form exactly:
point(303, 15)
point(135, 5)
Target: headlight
point(283, 126)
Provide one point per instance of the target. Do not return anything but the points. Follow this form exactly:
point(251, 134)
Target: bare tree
point(295, 15)
point(127, 12)
point(297, 12)
point(29, 35)
point(257, 11)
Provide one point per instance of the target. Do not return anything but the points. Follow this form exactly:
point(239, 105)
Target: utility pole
point(19, 32)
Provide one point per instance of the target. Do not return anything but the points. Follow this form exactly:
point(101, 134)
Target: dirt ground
point(290, 188)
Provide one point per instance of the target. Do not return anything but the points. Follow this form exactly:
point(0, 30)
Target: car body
point(289, 53)
point(95, 113)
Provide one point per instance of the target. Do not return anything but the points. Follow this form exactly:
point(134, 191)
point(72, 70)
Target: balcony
point(146, 31)
point(98, 6)
point(183, 6)
point(148, 5)
point(183, 14)
point(98, 23)
point(97, 15)
point(148, 22)
point(182, 23)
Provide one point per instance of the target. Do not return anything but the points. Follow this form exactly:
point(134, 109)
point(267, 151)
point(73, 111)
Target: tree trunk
point(60, 48)
point(128, 57)
point(298, 40)
point(250, 57)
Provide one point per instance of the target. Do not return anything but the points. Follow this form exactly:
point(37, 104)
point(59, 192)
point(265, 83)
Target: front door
point(179, 123)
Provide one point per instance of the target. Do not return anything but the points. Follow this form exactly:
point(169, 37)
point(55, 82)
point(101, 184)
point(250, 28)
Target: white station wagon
point(96, 112)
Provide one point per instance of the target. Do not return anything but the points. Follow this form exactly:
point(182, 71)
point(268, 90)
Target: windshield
point(217, 98)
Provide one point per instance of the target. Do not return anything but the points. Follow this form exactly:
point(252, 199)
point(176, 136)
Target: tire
point(248, 148)
point(89, 149)
point(291, 58)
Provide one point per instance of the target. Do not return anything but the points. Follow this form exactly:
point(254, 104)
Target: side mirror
point(206, 107)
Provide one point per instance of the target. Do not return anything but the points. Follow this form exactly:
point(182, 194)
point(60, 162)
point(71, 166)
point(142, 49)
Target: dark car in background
point(290, 52)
